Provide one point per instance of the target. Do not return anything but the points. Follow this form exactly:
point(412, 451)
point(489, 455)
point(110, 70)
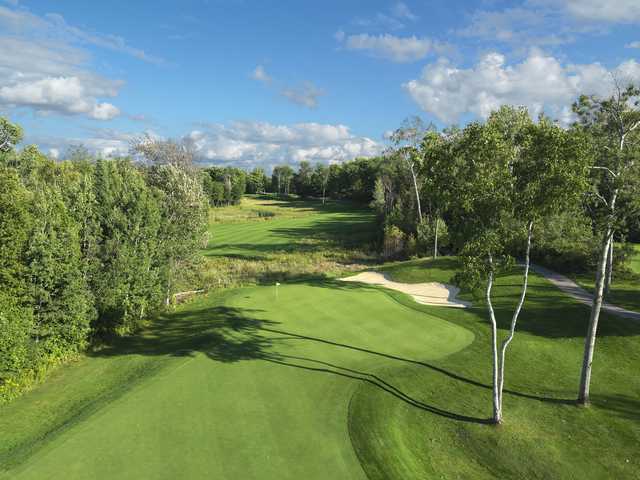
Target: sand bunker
point(432, 293)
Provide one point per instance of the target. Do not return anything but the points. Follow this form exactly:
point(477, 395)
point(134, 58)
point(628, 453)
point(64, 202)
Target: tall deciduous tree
point(482, 217)
point(406, 140)
point(184, 218)
point(614, 125)
point(513, 174)
point(129, 282)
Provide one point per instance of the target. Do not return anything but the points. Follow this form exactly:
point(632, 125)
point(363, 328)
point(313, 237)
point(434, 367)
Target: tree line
point(90, 247)
point(352, 180)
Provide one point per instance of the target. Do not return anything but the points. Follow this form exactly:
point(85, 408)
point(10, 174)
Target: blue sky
point(265, 82)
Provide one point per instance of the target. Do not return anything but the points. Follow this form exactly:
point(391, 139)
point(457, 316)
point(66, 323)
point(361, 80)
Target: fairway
point(274, 226)
point(265, 395)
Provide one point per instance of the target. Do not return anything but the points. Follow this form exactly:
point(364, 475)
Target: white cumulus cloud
point(250, 144)
point(391, 47)
point(540, 82)
point(68, 95)
point(45, 67)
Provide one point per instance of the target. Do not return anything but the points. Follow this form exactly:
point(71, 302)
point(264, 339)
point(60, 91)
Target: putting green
point(257, 386)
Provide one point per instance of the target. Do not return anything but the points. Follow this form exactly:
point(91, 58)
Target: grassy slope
point(259, 387)
point(544, 435)
point(625, 289)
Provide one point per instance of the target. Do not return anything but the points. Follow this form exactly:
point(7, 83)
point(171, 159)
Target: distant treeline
point(353, 180)
point(89, 248)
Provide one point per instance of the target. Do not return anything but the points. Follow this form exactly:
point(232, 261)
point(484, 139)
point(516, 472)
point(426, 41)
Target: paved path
point(574, 290)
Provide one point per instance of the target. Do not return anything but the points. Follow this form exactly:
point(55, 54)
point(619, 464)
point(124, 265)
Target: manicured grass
point(295, 226)
point(299, 239)
point(544, 434)
point(254, 387)
point(418, 271)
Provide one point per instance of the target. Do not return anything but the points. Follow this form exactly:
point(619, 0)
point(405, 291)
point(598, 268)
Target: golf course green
point(268, 383)
point(318, 378)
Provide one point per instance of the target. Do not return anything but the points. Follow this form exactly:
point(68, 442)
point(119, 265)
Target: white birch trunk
point(415, 186)
point(516, 313)
point(609, 276)
point(497, 407)
point(590, 339)
point(435, 242)
point(324, 186)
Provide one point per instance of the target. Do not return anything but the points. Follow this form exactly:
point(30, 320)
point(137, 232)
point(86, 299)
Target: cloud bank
point(540, 82)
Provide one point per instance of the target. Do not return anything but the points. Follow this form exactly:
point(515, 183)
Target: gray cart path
point(574, 290)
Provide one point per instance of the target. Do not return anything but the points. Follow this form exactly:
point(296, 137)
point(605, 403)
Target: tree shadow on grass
point(452, 375)
point(620, 405)
point(372, 379)
point(229, 335)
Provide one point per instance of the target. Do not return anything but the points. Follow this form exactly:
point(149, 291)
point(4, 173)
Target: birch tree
point(406, 141)
point(183, 203)
point(481, 215)
point(614, 124)
point(513, 174)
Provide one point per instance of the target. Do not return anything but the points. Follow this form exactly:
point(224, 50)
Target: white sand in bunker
point(432, 293)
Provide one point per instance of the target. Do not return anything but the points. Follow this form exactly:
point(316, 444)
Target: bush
point(394, 241)
point(565, 243)
point(16, 323)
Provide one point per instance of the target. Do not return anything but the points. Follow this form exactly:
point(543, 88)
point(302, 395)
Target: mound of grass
point(544, 435)
point(420, 271)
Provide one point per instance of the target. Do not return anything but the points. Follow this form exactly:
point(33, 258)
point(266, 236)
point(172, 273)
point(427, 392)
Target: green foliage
point(16, 324)
point(225, 186)
point(15, 229)
point(302, 180)
point(59, 292)
point(256, 181)
point(281, 179)
point(565, 241)
point(10, 135)
point(129, 281)
point(394, 242)
point(88, 248)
